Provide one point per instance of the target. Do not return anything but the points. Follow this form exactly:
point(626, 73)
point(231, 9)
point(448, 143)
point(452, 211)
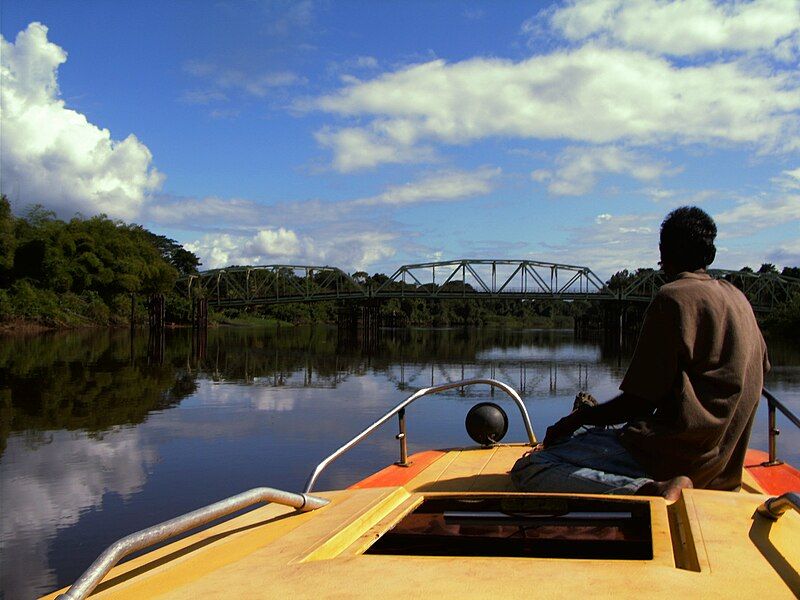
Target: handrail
point(780, 406)
point(773, 508)
point(400, 410)
point(773, 431)
point(157, 533)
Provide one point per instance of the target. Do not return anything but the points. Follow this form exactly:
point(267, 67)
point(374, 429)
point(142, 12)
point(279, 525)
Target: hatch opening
point(523, 526)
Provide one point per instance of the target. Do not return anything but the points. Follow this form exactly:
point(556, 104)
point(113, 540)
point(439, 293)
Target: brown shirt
point(699, 368)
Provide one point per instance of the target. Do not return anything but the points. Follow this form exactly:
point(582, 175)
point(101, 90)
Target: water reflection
point(48, 481)
point(103, 435)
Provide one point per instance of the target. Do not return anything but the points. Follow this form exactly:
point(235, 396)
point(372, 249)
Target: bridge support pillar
point(200, 314)
point(156, 309)
point(359, 323)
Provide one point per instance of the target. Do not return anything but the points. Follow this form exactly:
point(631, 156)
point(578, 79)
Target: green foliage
point(82, 271)
point(7, 240)
point(785, 319)
point(767, 268)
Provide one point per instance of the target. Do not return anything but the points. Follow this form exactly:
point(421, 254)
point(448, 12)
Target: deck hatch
point(522, 526)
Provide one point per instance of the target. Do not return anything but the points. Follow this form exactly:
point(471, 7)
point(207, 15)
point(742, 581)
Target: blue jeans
point(593, 462)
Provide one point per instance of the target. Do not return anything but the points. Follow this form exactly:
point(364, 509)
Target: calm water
point(101, 437)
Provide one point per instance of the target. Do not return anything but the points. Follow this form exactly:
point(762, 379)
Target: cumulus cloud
point(685, 28)
point(53, 155)
point(577, 168)
point(593, 94)
point(356, 148)
point(347, 248)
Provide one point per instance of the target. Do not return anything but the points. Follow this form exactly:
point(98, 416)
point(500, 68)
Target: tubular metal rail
point(157, 533)
point(400, 411)
point(773, 405)
point(773, 508)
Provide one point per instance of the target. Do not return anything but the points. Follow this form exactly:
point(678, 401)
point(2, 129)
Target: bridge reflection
point(554, 372)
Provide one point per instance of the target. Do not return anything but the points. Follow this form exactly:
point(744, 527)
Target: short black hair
point(687, 238)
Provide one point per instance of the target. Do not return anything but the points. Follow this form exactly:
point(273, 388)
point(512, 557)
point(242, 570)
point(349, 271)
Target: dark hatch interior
point(522, 526)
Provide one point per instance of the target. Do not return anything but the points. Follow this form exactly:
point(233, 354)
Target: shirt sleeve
point(654, 367)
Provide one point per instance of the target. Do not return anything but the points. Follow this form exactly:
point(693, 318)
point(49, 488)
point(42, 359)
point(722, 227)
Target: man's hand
point(562, 428)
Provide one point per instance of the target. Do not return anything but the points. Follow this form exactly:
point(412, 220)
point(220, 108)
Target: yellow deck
point(720, 550)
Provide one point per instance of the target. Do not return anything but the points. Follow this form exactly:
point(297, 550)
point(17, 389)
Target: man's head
point(687, 240)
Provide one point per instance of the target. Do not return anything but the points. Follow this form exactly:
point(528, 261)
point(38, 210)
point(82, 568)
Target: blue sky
point(367, 135)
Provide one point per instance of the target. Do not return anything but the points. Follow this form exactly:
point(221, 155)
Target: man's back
point(700, 363)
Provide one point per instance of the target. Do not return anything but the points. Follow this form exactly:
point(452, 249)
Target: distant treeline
point(83, 272)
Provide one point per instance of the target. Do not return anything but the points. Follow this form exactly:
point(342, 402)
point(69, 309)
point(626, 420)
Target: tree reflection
point(85, 381)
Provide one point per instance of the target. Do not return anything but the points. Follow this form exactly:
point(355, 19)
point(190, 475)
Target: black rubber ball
point(486, 423)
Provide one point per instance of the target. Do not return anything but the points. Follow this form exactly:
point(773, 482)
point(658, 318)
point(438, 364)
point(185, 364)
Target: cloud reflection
point(48, 486)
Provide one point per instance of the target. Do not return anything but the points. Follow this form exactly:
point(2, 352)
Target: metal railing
point(773, 508)
point(774, 405)
point(157, 533)
point(400, 411)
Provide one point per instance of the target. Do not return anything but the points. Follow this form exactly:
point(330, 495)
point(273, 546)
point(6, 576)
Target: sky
point(368, 135)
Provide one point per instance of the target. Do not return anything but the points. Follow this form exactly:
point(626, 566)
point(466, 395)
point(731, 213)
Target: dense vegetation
point(81, 271)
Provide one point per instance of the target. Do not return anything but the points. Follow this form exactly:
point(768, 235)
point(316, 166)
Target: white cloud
point(592, 94)
point(264, 247)
point(577, 168)
point(356, 148)
point(760, 213)
point(789, 179)
point(355, 249)
point(53, 155)
point(685, 27)
point(440, 187)
point(204, 212)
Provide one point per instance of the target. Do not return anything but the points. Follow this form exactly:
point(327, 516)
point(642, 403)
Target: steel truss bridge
point(456, 279)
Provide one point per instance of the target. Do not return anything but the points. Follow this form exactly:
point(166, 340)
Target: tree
point(767, 268)
point(7, 239)
point(791, 272)
point(184, 261)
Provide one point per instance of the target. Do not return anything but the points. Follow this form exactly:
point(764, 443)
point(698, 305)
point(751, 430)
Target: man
point(688, 398)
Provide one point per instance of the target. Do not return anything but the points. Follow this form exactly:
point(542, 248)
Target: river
point(103, 435)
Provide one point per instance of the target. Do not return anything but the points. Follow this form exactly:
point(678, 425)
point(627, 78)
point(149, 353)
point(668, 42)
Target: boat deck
point(486, 470)
point(706, 544)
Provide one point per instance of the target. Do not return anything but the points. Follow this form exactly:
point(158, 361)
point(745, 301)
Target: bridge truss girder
point(763, 290)
point(271, 284)
point(457, 279)
point(523, 279)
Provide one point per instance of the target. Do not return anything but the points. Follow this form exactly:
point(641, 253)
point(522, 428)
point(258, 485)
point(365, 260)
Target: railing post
point(401, 436)
point(774, 432)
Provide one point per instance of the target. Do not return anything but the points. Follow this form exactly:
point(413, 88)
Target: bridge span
point(480, 279)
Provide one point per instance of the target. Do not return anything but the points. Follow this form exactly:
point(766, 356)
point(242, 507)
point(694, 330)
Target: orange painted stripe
point(394, 475)
point(776, 479)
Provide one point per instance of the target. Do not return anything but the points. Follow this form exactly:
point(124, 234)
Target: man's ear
point(711, 255)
